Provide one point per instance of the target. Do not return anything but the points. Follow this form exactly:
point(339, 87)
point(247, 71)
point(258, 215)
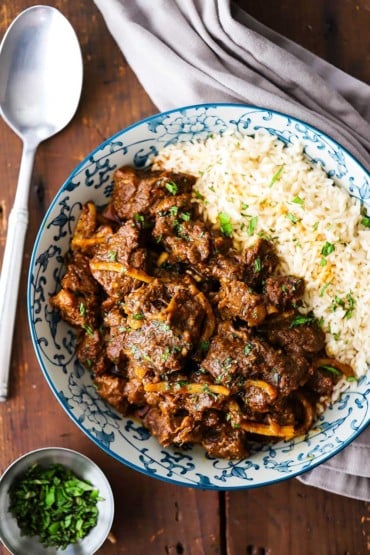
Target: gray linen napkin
point(193, 51)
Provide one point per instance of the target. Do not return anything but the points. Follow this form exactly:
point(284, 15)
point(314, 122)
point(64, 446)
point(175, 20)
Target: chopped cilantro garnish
point(252, 225)
point(257, 265)
point(138, 316)
point(277, 175)
point(112, 256)
point(54, 504)
point(347, 303)
point(324, 288)
point(365, 220)
point(139, 218)
point(185, 216)
point(204, 345)
point(198, 195)
point(172, 187)
point(248, 348)
point(327, 249)
point(173, 210)
point(298, 200)
point(225, 224)
point(88, 330)
point(301, 319)
point(331, 369)
point(292, 218)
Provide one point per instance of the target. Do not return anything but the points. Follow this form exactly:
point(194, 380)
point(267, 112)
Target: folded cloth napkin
point(193, 51)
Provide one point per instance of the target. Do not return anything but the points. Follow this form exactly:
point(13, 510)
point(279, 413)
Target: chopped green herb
point(54, 504)
point(139, 218)
point(301, 319)
point(277, 175)
point(181, 383)
point(166, 354)
point(204, 346)
point(172, 187)
point(82, 309)
point(112, 256)
point(292, 218)
point(324, 288)
point(225, 224)
point(331, 369)
point(252, 225)
point(248, 348)
point(88, 330)
point(365, 220)
point(298, 200)
point(138, 316)
point(185, 216)
point(257, 265)
point(351, 379)
point(347, 303)
point(174, 210)
point(327, 249)
point(198, 195)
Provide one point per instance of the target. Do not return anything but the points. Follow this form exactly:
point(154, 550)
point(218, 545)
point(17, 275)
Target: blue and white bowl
point(54, 341)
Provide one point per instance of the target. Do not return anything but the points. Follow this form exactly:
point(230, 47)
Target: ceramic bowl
point(83, 467)
point(54, 341)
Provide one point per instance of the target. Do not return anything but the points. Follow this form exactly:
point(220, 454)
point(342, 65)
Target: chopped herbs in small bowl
point(54, 501)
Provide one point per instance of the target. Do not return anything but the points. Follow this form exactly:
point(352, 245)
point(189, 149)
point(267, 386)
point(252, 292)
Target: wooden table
point(153, 517)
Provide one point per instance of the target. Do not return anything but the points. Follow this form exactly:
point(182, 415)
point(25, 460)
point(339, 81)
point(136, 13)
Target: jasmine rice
point(261, 187)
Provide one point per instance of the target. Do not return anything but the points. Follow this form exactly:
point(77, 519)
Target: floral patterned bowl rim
point(124, 438)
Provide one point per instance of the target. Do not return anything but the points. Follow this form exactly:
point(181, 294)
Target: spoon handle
point(12, 266)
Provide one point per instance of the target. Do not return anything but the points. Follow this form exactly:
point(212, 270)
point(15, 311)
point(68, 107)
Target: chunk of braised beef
point(220, 439)
point(235, 356)
point(91, 352)
point(226, 355)
point(259, 262)
point(124, 249)
point(78, 278)
point(305, 340)
point(78, 298)
point(322, 382)
point(283, 292)
point(111, 389)
point(175, 304)
point(237, 300)
point(136, 191)
point(87, 222)
point(224, 266)
point(169, 428)
point(153, 346)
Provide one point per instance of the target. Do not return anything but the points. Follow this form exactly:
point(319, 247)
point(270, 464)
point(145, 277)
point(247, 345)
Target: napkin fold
point(194, 51)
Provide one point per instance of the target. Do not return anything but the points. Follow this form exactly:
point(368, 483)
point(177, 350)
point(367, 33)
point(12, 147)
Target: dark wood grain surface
point(153, 517)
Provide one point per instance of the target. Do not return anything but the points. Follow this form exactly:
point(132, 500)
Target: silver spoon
point(40, 86)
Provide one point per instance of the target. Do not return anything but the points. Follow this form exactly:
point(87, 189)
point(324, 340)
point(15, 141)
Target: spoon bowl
point(41, 74)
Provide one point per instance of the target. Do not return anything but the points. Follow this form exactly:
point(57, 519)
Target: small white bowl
point(83, 467)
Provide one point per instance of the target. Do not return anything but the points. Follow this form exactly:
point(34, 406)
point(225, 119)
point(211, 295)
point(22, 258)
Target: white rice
point(307, 215)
